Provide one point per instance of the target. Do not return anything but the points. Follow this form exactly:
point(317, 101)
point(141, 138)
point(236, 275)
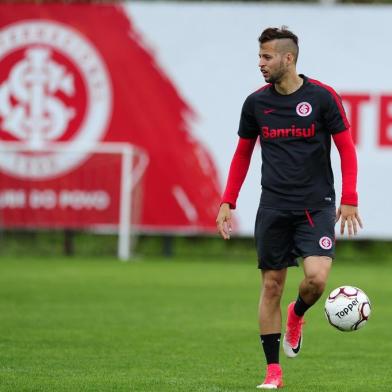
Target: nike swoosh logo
point(267, 111)
point(296, 350)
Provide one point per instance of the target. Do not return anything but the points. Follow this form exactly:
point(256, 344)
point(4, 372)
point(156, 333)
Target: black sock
point(270, 345)
point(300, 307)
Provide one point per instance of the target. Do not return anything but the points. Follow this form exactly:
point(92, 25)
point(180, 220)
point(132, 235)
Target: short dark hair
point(272, 33)
point(277, 33)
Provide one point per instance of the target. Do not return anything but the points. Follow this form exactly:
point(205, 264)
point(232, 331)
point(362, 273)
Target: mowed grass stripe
point(158, 325)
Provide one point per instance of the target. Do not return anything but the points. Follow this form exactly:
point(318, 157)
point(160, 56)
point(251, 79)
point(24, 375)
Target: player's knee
point(317, 284)
point(272, 289)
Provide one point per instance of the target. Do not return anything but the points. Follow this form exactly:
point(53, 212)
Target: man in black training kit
point(295, 117)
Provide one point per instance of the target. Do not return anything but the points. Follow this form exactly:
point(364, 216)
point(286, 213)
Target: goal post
point(124, 231)
point(94, 194)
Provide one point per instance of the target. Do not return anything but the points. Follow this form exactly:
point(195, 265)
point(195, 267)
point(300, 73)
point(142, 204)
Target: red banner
point(80, 198)
point(79, 75)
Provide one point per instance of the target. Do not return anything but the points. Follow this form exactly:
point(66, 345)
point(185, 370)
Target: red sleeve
point(348, 160)
point(238, 169)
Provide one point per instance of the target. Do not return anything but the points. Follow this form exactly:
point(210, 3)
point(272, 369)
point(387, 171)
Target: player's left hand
point(223, 221)
point(348, 215)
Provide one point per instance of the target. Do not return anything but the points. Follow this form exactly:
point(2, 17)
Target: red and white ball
point(347, 308)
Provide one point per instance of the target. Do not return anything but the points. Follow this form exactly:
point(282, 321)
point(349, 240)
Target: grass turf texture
point(102, 325)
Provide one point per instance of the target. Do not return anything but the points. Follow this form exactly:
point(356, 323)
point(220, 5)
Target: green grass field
point(158, 325)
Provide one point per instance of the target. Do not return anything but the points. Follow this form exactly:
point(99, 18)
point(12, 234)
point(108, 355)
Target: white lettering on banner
point(12, 199)
point(36, 165)
point(78, 200)
point(46, 199)
point(50, 199)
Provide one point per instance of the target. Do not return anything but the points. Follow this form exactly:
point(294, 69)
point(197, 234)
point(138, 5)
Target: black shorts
point(283, 235)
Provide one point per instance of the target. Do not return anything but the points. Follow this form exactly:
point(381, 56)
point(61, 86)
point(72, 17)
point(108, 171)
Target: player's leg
point(314, 240)
point(274, 242)
point(270, 317)
point(316, 269)
point(270, 324)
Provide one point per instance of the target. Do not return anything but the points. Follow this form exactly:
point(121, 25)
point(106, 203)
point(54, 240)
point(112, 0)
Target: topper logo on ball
point(54, 87)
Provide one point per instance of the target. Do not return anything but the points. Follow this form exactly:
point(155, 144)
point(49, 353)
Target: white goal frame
point(127, 181)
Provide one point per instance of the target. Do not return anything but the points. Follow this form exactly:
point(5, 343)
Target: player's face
point(272, 63)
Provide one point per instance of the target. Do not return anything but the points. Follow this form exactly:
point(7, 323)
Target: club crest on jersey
point(303, 109)
point(325, 243)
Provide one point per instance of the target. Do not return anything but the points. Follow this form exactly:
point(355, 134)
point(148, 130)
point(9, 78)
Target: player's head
point(278, 53)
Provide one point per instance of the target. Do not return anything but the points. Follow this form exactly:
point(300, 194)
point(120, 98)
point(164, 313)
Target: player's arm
point(248, 133)
point(237, 173)
point(336, 121)
point(348, 210)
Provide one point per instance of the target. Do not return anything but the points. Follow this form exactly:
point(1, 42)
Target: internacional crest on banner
point(54, 87)
point(88, 115)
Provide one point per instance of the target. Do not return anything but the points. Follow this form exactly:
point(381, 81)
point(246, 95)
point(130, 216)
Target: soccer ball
point(347, 308)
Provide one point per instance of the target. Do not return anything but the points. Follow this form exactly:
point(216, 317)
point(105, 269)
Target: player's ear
point(290, 58)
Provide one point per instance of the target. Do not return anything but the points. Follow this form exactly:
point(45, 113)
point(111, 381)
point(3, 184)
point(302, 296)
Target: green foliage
point(96, 324)
point(85, 244)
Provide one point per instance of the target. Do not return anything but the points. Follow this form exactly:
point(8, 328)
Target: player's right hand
point(223, 221)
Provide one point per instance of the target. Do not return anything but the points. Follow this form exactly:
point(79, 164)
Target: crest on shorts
point(325, 243)
point(303, 109)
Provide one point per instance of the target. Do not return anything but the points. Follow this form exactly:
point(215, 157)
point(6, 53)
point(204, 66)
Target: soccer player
point(294, 117)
